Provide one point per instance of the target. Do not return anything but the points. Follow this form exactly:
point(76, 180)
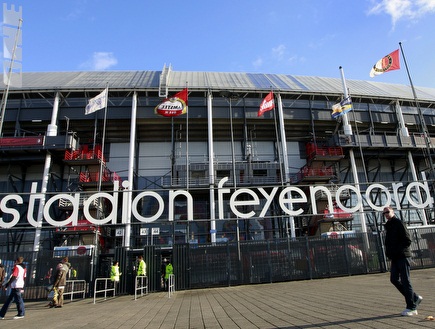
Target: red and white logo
point(267, 104)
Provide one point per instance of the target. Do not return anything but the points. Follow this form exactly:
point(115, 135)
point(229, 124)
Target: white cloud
point(257, 63)
point(103, 61)
point(296, 59)
point(279, 51)
point(403, 9)
point(278, 56)
point(100, 61)
point(320, 42)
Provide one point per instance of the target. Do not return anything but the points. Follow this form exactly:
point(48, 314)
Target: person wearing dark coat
point(60, 277)
point(397, 243)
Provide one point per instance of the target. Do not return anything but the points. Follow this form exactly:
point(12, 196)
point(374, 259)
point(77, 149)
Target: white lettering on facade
point(234, 203)
point(289, 199)
point(6, 210)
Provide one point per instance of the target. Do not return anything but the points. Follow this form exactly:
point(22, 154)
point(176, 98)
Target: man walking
point(16, 282)
point(397, 242)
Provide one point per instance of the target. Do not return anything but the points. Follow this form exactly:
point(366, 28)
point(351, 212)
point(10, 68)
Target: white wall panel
point(197, 153)
point(295, 162)
point(118, 161)
point(223, 152)
point(263, 151)
point(154, 159)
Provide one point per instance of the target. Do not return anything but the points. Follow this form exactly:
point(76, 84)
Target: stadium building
point(126, 177)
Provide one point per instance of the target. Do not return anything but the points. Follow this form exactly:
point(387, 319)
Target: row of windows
point(251, 104)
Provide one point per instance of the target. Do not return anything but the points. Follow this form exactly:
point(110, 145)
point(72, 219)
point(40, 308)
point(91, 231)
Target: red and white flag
point(267, 104)
point(385, 64)
point(173, 106)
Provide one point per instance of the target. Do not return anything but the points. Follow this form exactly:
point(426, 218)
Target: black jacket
point(397, 239)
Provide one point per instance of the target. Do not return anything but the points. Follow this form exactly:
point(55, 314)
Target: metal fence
point(304, 258)
point(232, 263)
point(280, 260)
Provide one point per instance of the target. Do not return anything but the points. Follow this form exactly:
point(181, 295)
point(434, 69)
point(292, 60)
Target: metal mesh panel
point(423, 247)
point(209, 266)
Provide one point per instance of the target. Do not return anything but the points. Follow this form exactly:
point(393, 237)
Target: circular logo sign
point(81, 250)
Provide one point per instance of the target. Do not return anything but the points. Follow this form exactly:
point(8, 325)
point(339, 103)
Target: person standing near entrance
point(142, 267)
point(114, 273)
point(16, 282)
point(163, 274)
point(73, 273)
point(169, 269)
point(60, 276)
point(397, 243)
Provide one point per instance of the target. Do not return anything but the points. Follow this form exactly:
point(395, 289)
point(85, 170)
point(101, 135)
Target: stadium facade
point(236, 178)
point(124, 176)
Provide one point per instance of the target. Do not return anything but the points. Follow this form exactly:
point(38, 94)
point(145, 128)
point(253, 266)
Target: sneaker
point(408, 312)
point(16, 317)
point(418, 301)
point(2, 318)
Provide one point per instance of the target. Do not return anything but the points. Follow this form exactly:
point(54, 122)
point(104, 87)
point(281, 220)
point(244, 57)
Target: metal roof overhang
point(127, 81)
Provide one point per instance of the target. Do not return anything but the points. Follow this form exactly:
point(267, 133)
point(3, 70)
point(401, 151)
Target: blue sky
point(308, 37)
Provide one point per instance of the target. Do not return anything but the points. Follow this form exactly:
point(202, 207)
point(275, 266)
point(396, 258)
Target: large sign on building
point(290, 199)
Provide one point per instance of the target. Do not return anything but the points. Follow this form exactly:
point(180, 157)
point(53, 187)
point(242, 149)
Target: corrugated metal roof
point(217, 81)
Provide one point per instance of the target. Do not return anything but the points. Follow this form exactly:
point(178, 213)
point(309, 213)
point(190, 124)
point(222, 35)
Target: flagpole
point(6, 93)
point(420, 115)
point(346, 126)
point(95, 130)
point(348, 131)
point(103, 141)
point(278, 144)
point(130, 187)
point(46, 174)
point(409, 75)
point(187, 142)
point(290, 222)
point(233, 162)
point(211, 166)
point(233, 156)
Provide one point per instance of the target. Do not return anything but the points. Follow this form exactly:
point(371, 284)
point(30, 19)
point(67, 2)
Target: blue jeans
point(18, 299)
point(400, 278)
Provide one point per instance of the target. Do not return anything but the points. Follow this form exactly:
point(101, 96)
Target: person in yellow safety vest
point(114, 272)
point(142, 267)
point(73, 273)
point(168, 271)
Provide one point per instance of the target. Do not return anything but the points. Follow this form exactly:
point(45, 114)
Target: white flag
point(97, 103)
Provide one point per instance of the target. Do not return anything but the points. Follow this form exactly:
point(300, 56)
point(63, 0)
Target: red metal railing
point(84, 153)
point(21, 141)
point(311, 172)
point(107, 176)
point(314, 150)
